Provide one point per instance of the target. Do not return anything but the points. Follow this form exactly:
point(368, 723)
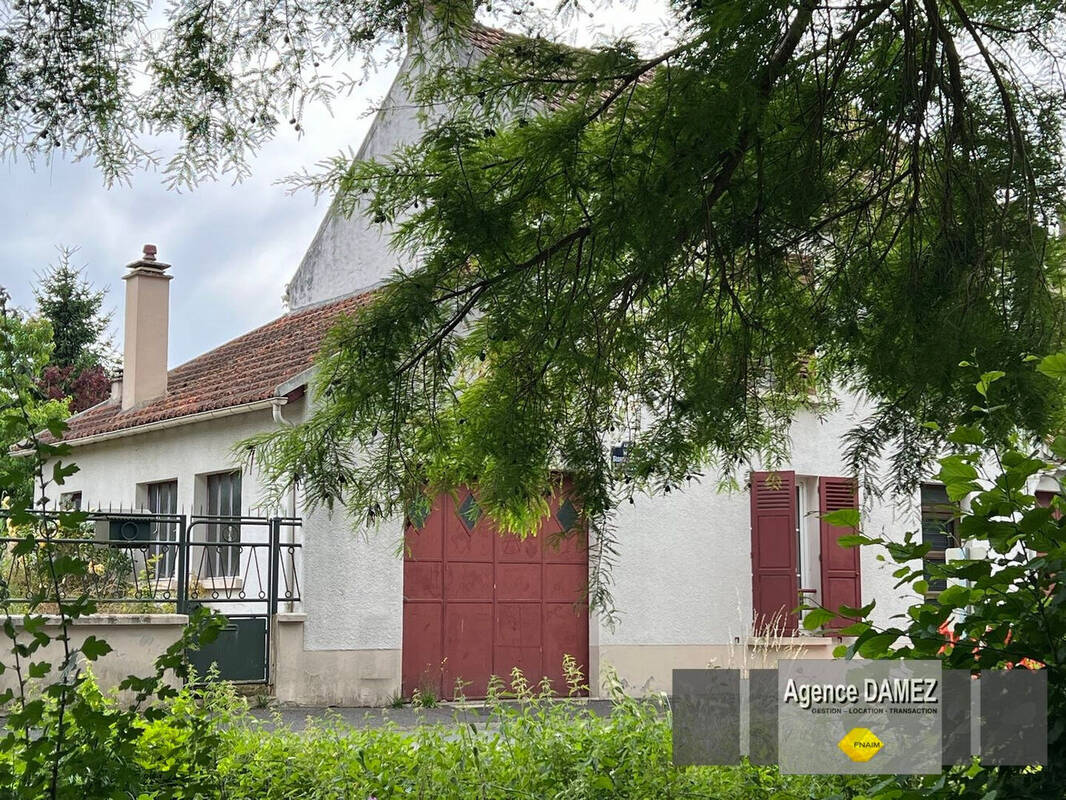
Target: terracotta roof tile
point(244, 370)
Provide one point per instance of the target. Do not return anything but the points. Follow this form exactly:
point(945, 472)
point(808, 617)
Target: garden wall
point(136, 641)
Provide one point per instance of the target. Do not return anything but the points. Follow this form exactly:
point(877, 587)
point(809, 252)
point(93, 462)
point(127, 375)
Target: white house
point(694, 568)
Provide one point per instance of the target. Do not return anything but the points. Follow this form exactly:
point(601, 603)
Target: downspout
point(279, 418)
point(276, 404)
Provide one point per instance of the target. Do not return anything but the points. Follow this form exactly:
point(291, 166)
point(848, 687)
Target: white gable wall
point(352, 254)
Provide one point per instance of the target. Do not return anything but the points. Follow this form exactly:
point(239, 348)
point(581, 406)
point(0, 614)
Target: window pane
point(224, 500)
point(163, 500)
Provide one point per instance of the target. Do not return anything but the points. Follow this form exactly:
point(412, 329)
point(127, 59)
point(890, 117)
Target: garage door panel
point(568, 548)
point(422, 629)
point(518, 624)
point(518, 582)
point(512, 548)
point(422, 581)
point(518, 641)
point(478, 604)
point(467, 629)
point(426, 543)
point(527, 659)
point(463, 545)
point(565, 582)
point(565, 633)
point(467, 581)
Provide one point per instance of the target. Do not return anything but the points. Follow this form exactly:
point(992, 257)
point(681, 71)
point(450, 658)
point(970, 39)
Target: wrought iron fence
point(142, 562)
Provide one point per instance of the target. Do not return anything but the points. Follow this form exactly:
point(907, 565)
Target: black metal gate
point(245, 567)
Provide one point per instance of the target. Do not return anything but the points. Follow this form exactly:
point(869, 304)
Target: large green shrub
point(1003, 611)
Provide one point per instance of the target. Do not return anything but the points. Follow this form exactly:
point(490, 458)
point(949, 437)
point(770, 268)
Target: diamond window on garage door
point(567, 514)
point(469, 512)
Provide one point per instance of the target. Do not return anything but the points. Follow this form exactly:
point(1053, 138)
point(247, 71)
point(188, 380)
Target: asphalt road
point(406, 718)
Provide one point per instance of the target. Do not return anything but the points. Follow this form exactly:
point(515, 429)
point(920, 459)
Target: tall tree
point(82, 349)
point(663, 246)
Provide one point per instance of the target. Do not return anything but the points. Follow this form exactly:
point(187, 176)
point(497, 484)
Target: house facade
point(442, 600)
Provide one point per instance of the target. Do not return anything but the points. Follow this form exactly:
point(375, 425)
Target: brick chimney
point(144, 352)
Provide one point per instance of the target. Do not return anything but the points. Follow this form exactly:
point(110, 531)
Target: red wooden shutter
point(841, 578)
point(774, 586)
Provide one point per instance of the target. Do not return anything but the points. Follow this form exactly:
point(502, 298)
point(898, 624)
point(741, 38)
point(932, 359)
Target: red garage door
point(477, 604)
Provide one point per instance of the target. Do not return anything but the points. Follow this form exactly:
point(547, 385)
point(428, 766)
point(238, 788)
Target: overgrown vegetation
point(128, 576)
point(204, 743)
point(1003, 611)
point(28, 345)
point(60, 740)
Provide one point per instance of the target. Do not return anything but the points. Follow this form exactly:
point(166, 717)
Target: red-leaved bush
point(85, 387)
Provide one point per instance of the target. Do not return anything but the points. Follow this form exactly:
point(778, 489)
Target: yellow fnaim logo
point(860, 744)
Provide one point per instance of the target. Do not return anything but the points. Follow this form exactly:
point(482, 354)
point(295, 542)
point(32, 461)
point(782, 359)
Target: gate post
point(275, 560)
point(182, 603)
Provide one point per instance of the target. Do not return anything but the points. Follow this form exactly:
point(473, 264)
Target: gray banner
point(706, 712)
point(1013, 717)
point(859, 717)
point(955, 717)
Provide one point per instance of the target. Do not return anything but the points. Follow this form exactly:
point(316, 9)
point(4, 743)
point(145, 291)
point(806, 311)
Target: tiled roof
point(244, 370)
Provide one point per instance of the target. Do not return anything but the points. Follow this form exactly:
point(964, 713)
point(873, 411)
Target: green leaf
point(855, 540)
point(955, 469)
point(1054, 366)
point(817, 618)
point(92, 648)
point(1058, 446)
point(966, 434)
point(987, 379)
point(878, 645)
point(855, 629)
point(954, 597)
point(843, 518)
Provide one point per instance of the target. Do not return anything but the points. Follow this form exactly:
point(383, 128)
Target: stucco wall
point(351, 254)
point(353, 595)
point(330, 677)
point(110, 471)
point(136, 641)
point(684, 569)
point(681, 582)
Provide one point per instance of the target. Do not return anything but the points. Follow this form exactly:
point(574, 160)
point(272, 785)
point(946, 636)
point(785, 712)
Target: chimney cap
point(148, 260)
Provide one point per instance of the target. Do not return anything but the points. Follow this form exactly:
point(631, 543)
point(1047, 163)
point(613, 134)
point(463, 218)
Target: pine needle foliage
point(682, 251)
point(675, 247)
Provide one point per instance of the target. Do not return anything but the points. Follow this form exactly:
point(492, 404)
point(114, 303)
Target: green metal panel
point(239, 651)
point(129, 529)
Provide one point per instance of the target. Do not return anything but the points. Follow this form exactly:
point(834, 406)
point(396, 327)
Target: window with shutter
point(774, 557)
point(938, 531)
point(841, 575)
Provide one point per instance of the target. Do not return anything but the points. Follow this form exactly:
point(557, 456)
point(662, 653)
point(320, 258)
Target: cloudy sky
point(232, 247)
